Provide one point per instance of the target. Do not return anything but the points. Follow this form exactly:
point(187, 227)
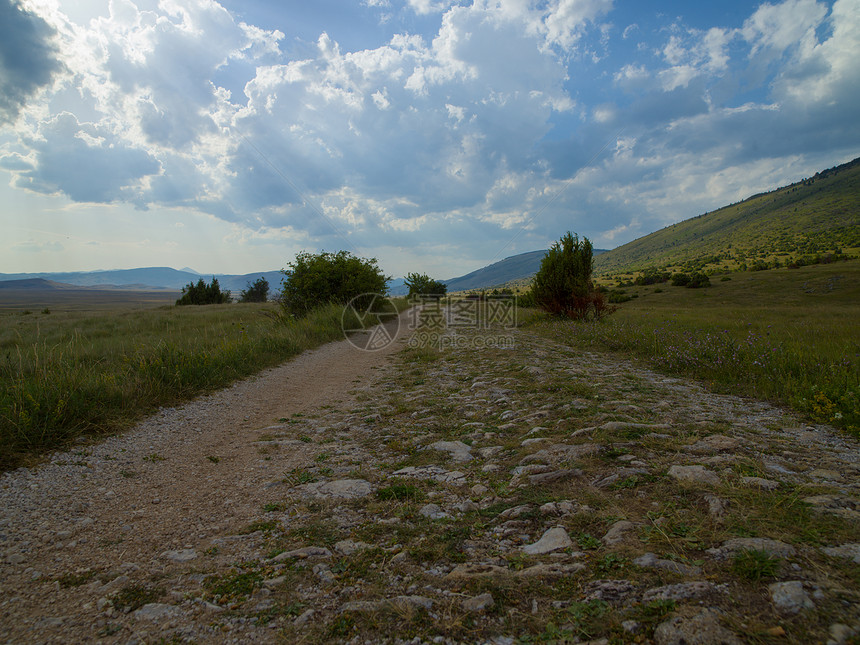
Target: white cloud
point(484, 124)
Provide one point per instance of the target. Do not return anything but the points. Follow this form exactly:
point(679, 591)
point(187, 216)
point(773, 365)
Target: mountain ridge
point(815, 215)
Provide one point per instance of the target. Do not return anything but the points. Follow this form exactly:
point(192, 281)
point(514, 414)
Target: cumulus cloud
point(484, 125)
point(28, 58)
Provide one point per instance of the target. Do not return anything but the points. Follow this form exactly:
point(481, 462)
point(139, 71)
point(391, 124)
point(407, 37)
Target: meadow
point(787, 335)
point(87, 370)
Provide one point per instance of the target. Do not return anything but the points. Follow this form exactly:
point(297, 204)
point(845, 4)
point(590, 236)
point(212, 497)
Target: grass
point(783, 335)
point(74, 373)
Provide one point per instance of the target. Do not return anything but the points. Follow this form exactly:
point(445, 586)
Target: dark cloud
point(86, 164)
point(28, 60)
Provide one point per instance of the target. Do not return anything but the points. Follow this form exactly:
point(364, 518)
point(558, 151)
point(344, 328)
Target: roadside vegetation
point(69, 373)
point(73, 373)
point(788, 336)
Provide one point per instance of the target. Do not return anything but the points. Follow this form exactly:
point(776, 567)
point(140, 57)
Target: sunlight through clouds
point(457, 125)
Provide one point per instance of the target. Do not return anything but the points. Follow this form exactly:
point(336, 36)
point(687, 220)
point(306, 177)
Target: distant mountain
point(515, 267)
point(146, 278)
point(815, 215)
point(35, 284)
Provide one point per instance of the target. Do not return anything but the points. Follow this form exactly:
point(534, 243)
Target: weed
point(298, 476)
point(272, 507)
point(401, 492)
point(134, 597)
point(612, 563)
point(213, 459)
point(754, 564)
point(75, 579)
point(233, 587)
point(341, 627)
point(154, 458)
point(587, 541)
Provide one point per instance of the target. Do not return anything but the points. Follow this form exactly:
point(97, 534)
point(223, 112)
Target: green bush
point(698, 280)
point(680, 280)
point(423, 285)
point(204, 294)
point(318, 279)
point(563, 286)
point(256, 292)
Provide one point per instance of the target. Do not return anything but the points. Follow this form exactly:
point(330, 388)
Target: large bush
point(322, 278)
point(563, 286)
point(256, 292)
point(423, 285)
point(204, 294)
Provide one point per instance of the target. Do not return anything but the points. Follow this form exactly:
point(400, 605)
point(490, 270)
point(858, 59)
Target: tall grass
point(787, 336)
point(72, 373)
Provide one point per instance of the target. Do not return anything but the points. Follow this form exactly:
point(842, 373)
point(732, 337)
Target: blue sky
point(436, 136)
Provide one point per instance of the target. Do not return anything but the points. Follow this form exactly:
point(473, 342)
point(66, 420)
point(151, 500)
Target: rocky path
point(523, 494)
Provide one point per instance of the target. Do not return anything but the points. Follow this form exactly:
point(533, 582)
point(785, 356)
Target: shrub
point(256, 292)
point(204, 294)
point(618, 295)
point(680, 280)
point(563, 286)
point(650, 277)
point(526, 299)
point(695, 281)
point(698, 280)
point(319, 279)
point(423, 285)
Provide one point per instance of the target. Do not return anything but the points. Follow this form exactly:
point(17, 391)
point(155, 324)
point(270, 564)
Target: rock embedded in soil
point(702, 628)
point(617, 532)
point(458, 450)
point(651, 561)
point(478, 604)
point(554, 539)
point(338, 489)
point(694, 475)
point(760, 482)
point(789, 597)
point(771, 547)
point(847, 551)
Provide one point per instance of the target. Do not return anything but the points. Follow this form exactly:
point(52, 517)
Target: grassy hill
point(817, 215)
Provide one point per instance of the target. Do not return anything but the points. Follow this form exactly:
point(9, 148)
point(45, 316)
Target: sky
point(436, 136)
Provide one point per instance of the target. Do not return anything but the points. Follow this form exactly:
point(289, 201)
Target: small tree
point(257, 292)
point(420, 284)
point(322, 278)
point(204, 294)
point(563, 286)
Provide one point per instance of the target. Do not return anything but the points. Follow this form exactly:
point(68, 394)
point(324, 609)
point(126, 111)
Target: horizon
point(438, 137)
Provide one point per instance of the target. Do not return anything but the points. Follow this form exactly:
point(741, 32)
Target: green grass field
point(73, 372)
point(787, 335)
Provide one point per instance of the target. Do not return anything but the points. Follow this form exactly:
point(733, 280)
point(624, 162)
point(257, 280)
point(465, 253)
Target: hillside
point(145, 279)
point(813, 216)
